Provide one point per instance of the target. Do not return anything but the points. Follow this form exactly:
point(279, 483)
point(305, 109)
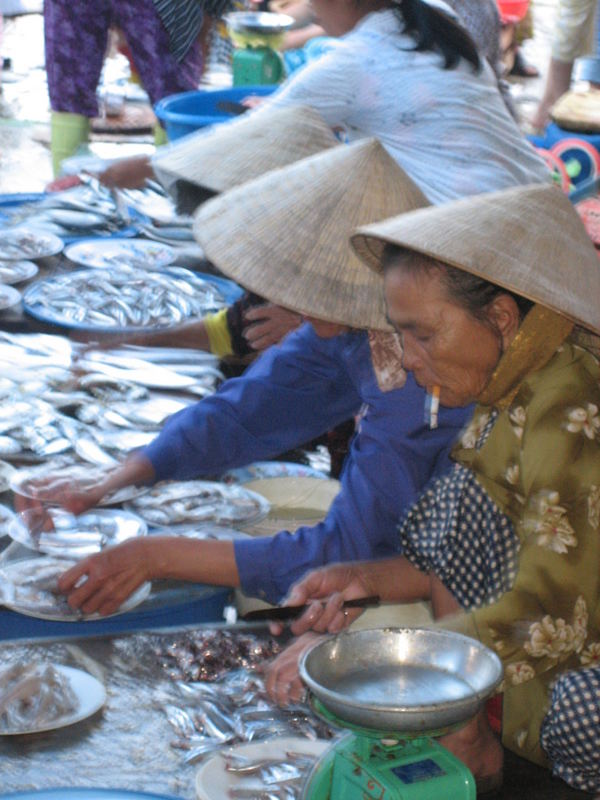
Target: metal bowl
point(262, 22)
point(401, 679)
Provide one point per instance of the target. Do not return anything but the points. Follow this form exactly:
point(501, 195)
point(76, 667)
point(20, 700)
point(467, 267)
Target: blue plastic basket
point(184, 113)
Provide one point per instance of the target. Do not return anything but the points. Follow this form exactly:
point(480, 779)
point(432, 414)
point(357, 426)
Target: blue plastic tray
point(75, 793)
point(174, 606)
point(230, 291)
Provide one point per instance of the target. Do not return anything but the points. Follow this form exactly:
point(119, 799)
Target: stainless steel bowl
point(401, 679)
point(262, 22)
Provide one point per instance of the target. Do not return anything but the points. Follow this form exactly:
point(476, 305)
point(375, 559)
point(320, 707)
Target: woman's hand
point(128, 173)
point(269, 324)
point(74, 496)
point(325, 591)
point(109, 577)
point(283, 682)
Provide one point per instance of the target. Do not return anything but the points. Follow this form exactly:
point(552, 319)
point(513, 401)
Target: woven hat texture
point(528, 239)
point(285, 236)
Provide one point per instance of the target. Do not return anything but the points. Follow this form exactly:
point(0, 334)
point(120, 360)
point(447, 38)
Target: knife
point(281, 613)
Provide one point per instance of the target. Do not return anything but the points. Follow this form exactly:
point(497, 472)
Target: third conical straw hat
point(527, 239)
point(285, 236)
point(226, 155)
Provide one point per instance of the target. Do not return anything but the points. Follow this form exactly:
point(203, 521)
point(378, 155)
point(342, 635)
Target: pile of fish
point(208, 655)
point(99, 405)
point(122, 298)
point(32, 587)
point(172, 502)
point(32, 696)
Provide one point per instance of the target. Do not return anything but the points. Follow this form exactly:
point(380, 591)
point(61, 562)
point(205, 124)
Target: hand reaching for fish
point(282, 678)
point(109, 577)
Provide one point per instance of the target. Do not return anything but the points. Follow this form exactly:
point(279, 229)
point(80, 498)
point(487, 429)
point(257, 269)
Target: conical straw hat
point(528, 239)
point(285, 236)
point(226, 155)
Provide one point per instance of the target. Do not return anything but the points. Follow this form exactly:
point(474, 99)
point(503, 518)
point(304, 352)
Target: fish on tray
point(32, 696)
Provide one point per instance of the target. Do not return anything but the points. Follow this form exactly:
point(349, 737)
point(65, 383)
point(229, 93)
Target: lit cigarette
point(434, 407)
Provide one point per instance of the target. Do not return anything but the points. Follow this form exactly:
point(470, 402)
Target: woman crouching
point(485, 293)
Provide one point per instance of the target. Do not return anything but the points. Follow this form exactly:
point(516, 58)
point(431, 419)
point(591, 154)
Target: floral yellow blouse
point(541, 465)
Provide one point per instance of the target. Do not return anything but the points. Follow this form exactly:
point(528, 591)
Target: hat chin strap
point(540, 335)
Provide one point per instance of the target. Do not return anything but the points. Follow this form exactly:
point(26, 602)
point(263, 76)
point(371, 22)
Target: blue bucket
point(184, 113)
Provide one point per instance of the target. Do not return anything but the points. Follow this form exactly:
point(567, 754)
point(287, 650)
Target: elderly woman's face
point(443, 344)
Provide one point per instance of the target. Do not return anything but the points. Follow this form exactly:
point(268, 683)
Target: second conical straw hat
point(527, 239)
point(285, 236)
point(226, 155)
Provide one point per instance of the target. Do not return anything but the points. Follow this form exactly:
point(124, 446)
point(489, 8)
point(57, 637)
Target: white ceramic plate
point(213, 781)
point(91, 696)
point(9, 297)
point(136, 253)
point(17, 244)
point(10, 573)
point(17, 271)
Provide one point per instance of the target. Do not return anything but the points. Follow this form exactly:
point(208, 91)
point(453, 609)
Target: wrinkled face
point(444, 345)
point(324, 329)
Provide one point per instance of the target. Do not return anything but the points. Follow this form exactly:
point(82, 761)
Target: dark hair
point(468, 291)
point(434, 30)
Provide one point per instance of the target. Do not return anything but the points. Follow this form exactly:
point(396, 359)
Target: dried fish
point(32, 695)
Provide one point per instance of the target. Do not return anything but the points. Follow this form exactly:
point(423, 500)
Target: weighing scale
point(394, 690)
point(256, 37)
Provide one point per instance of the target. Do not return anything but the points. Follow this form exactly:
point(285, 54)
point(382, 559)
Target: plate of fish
point(30, 587)
point(7, 473)
point(57, 532)
point(271, 469)
point(109, 253)
point(171, 502)
point(40, 696)
point(121, 299)
point(9, 297)
point(39, 483)
point(251, 770)
point(17, 271)
point(18, 244)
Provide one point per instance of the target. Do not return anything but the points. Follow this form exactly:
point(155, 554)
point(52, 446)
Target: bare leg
point(475, 744)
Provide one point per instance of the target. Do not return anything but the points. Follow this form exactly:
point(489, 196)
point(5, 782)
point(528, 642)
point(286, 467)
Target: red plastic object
point(512, 11)
point(557, 167)
point(578, 150)
point(589, 211)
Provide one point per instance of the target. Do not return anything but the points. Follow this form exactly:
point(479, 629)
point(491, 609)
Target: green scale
point(257, 37)
point(395, 690)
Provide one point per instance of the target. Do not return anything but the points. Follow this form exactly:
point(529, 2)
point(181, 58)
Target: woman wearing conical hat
point(506, 545)
point(293, 247)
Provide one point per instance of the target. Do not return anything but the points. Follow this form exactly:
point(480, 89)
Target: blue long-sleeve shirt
point(291, 394)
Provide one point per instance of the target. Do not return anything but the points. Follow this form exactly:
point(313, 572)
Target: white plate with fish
point(135, 253)
point(46, 696)
point(172, 502)
point(18, 244)
point(17, 271)
point(271, 469)
point(36, 483)
point(214, 781)
point(9, 297)
point(57, 532)
point(29, 587)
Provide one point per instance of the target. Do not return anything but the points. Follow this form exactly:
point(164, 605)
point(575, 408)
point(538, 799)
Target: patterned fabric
point(183, 20)
point(571, 731)
point(540, 465)
point(386, 357)
point(76, 35)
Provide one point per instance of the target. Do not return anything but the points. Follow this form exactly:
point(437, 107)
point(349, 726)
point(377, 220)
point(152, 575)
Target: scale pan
point(401, 680)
